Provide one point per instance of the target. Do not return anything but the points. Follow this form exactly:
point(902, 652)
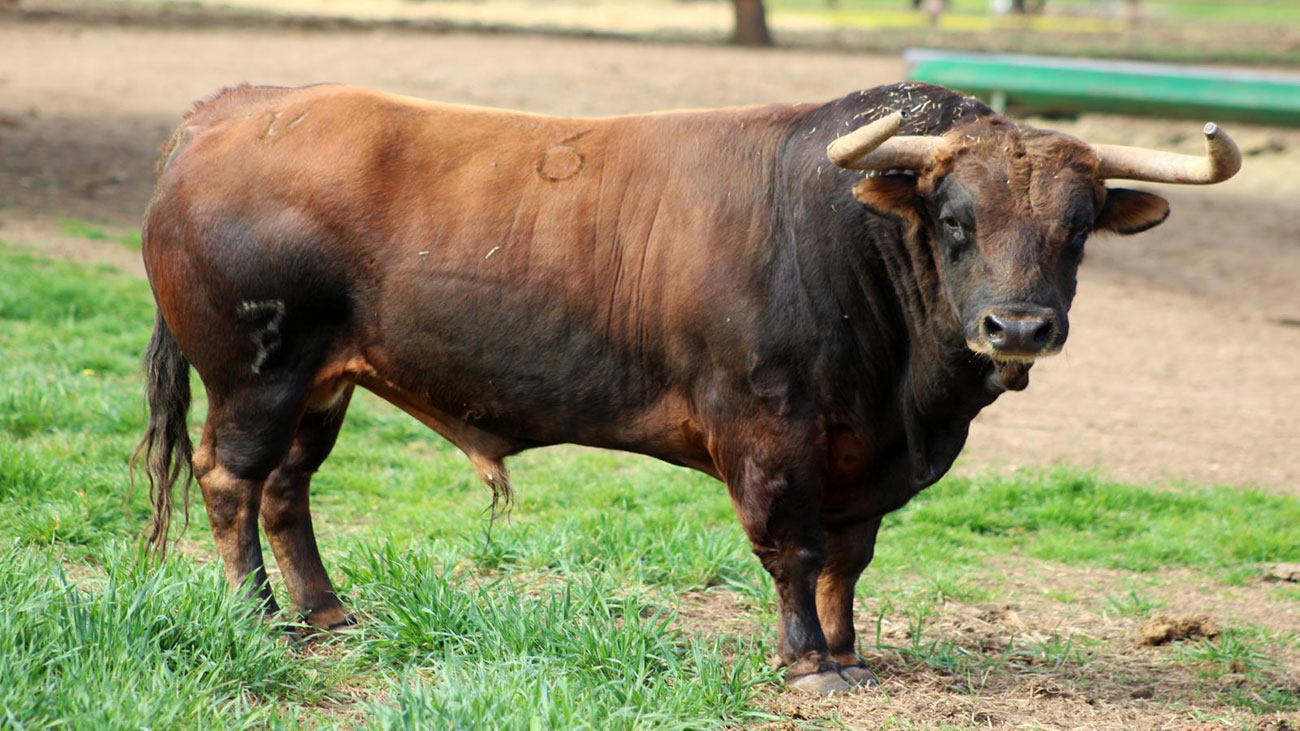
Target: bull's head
point(1006, 209)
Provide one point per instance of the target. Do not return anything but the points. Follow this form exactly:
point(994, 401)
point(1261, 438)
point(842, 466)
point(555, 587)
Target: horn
point(874, 147)
point(1222, 160)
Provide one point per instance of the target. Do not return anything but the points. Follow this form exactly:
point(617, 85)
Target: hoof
point(348, 622)
point(827, 682)
point(306, 633)
point(858, 676)
point(329, 619)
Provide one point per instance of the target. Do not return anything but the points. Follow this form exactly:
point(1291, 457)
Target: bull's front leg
point(778, 500)
point(851, 542)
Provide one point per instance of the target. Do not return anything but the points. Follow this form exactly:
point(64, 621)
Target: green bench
point(1050, 85)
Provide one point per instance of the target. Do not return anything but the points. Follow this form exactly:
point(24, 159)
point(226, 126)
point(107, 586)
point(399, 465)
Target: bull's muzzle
point(1021, 334)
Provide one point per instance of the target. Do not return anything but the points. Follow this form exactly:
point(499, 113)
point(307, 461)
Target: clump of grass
point(1132, 604)
point(1230, 652)
point(1257, 682)
point(580, 653)
point(165, 649)
point(1052, 652)
point(1286, 591)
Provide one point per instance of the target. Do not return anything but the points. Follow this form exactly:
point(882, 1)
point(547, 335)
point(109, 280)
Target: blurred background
point(1247, 31)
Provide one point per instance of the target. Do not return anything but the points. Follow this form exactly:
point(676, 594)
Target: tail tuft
point(166, 445)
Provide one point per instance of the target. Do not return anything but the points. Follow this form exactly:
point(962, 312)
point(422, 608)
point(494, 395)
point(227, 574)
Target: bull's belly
point(524, 368)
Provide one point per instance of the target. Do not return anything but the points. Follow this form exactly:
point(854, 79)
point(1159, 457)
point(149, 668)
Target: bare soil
point(1056, 650)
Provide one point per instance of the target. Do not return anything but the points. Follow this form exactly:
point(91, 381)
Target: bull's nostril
point(994, 331)
point(1017, 333)
point(1043, 333)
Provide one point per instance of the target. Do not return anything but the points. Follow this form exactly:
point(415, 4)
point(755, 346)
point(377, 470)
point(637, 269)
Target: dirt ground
point(1184, 356)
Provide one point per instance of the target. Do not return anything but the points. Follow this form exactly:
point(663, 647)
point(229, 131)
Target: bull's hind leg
point(231, 465)
point(250, 427)
point(286, 516)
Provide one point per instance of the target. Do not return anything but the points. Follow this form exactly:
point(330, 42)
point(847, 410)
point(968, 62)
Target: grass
point(1132, 604)
point(1179, 31)
point(566, 615)
point(132, 645)
point(1230, 652)
point(80, 229)
point(586, 653)
point(1262, 11)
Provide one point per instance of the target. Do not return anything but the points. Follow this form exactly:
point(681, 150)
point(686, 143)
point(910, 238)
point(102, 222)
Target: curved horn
point(1222, 160)
point(874, 147)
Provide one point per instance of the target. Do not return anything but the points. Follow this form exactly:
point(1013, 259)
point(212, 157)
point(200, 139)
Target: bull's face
point(1006, 214)
point(1005, 211)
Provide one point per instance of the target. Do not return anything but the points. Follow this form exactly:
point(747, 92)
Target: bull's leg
point(231, 481)
point(850, 545)
point(248, 432)
point(781, 512)
point(286, 517)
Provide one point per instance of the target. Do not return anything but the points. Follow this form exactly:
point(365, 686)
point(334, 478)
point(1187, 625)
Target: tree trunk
point(751, 24)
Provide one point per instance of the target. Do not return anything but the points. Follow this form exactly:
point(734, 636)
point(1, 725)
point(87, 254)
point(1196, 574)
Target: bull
point(809, 302)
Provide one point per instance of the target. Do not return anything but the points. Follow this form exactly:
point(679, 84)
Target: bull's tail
point(166, 445)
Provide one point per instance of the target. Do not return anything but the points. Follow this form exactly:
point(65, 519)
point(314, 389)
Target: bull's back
point(373, 178)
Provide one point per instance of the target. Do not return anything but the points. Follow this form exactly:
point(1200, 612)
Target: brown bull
point(716, 289)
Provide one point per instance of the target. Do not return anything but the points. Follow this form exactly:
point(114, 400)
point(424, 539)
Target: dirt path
point(1184, 358)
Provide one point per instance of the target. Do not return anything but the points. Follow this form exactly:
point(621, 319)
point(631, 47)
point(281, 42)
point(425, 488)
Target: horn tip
point(1210, 129)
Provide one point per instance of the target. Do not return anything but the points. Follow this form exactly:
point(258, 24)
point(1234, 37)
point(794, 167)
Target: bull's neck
point(885, 295)
point(895, 345)
point(886, 283)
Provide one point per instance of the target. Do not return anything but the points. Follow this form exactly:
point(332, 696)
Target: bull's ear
point(1131, 211)
point(890, 195)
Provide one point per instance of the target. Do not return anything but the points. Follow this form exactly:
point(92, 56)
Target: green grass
point(1256, 11)
point(1132, 605)
point(1230, 652)
point(1237, 655)
point(564, 615)
point(584, 653)
point(1290, 592)
point(77, 228)
point(167, 648)
point(1180, 31)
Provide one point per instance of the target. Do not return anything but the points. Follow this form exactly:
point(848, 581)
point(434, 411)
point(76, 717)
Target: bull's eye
point(954, 229)
point(1077, 240)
